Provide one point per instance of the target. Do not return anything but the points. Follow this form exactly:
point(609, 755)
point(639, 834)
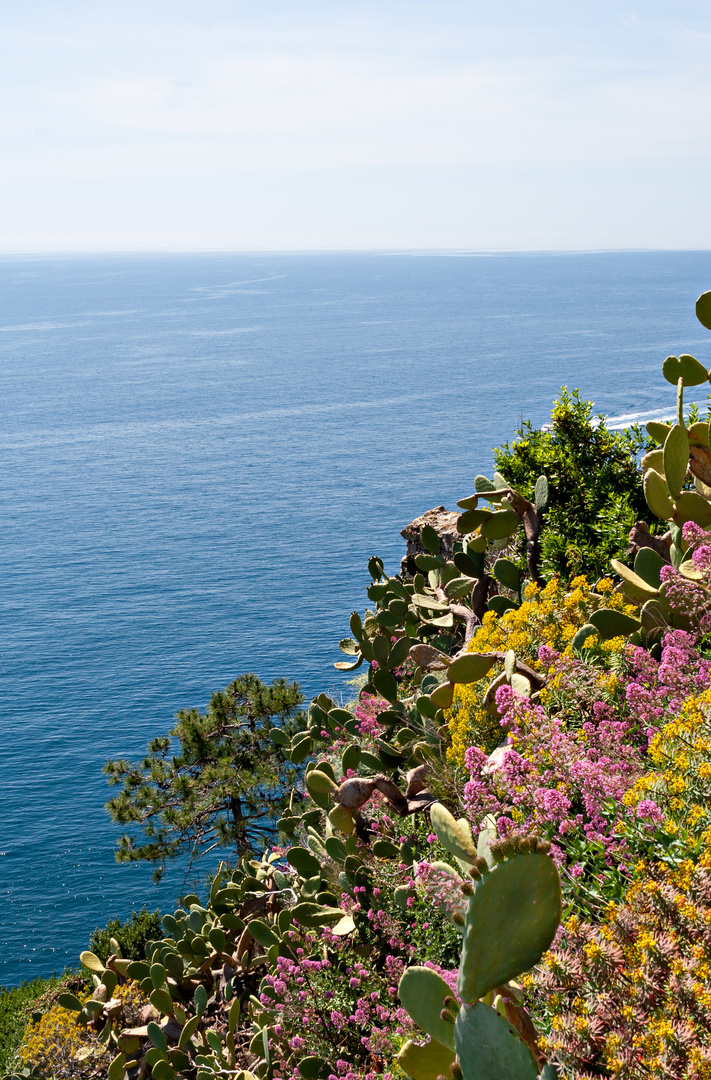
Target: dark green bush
point(140, 927)
point(595, 485)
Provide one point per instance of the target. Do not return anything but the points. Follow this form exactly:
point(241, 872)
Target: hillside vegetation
point(495, 862)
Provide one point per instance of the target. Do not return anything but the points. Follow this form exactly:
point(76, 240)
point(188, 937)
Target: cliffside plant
point(217, 780)
point(595, 485)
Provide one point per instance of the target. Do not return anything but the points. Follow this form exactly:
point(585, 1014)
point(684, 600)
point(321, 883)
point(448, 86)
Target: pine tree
point(222, 788)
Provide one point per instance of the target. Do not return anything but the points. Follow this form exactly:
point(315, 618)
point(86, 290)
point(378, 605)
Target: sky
point(354, 124)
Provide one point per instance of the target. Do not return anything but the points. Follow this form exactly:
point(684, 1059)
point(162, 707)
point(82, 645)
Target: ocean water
point(199, 454)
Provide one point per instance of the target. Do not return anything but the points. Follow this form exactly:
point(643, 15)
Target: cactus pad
point(450, 834)
point(676, 459)
point(511, 921)
point(684, 367)
point(488, 1048)
point(470, 667)
point(425, 1062)
point(422, 992)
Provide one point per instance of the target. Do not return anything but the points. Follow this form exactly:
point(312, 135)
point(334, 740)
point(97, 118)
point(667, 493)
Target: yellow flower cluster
point(56, 1045)
point(680, 782)
point(658, 961)
point(548, 616)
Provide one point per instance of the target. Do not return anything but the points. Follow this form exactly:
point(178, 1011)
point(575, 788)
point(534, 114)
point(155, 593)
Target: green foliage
point(222, 785)
point(131, 936)
point(594, 483)
point(16, 1006)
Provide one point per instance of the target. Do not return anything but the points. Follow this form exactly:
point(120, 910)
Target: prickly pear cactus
point(512, 916)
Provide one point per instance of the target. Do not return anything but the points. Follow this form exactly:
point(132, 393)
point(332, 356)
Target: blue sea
point(199, 454)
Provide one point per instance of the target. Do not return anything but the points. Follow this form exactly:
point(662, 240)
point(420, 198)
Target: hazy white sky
point(553, 124)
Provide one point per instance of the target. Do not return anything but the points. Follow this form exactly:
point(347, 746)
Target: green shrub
point(16, 1006)
point(595, 485)
point(131, 935)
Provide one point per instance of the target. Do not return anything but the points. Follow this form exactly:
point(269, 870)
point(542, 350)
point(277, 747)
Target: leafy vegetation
point(16, 1005)
point(131, 935)
point(222, 787)
point(495, 864)
point(595, 485)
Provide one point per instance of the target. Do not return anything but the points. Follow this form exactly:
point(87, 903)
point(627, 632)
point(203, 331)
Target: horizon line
point(445, 252)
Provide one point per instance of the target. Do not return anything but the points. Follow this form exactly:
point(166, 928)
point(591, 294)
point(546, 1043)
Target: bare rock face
point(444, 523)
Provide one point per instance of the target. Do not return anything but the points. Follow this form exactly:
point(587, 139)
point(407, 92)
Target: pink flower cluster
point(656, 691)
point(555, 780)
point(366, 714)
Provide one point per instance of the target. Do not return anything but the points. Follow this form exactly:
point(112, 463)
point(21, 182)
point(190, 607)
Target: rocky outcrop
point(444, 523)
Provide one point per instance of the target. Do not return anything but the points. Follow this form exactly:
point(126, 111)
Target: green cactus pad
point(349, 646)
point(703, 310)
point(312, 1067)
point(91, 961)
point(422, 992)
point(70, 1002)
point(611, 624)
point(316, 914)
point(647, 565)
point(300, 749)
point(430, 539)
point(684, 367)
point(500, 525)
point(542, 495)
point(317, 780)
point(428, 562)
point(658, 431)
point(157, 1037)
point(385, 684)
point(500, 604)
point(350, 758)
point(690, 506)
point(470, 667)
point(488, 1048)
point(508, 574)
point(342, 820)
point(699, 433)
point(676, 459)
point(426, 1062)
point(635, 586)
point(443, 696)
point(471, 520)
point(521, 684)
point(304, 862)
point(582, 635)
point(657, 495)
point(162, 1001)
point(117, 1068)
point(653, 460)
point(511, 921)
point(470, 503)
point(487, 835)
point(421, 600)
point(450, 834)
point(483, 484)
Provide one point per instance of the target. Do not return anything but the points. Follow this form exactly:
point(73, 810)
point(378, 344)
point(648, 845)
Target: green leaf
point(191, 1027)
point(501, 524)
point(117, 1068)
point(426, 1062)
point(430, 539)
point(684, 367)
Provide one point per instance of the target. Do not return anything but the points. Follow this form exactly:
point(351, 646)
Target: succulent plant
point(512, 916)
